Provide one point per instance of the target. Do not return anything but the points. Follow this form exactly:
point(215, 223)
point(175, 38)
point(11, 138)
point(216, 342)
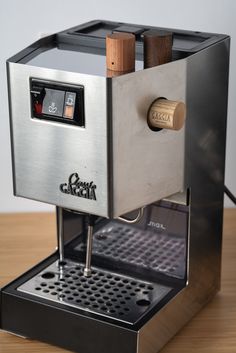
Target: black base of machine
point(68, 326)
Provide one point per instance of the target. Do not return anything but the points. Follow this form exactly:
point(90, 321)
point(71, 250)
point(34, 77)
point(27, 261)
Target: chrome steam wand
point(87, 269)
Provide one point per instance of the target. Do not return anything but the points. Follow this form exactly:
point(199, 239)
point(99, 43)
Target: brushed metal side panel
point(147, 165)
point(47, 153)
point(207, 94)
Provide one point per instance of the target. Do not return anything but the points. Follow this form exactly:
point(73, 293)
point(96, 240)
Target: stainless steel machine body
point(108, 150)
point(150, 278)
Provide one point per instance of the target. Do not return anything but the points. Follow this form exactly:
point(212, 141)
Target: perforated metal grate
point(123, 298)
point(152, 250)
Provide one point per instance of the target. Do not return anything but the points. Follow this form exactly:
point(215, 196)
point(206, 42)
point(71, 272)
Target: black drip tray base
point(106, 293)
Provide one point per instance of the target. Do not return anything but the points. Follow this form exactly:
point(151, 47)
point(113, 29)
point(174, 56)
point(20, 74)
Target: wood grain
point(157, 48)
point(120, 52)
point(25, 239)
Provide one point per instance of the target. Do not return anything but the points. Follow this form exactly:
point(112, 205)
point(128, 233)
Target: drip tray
point(105, 293)
point(148, 249)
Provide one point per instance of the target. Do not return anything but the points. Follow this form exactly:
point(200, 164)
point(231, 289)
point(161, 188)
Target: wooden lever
point(166, 114)
point(157, 47)
point(120, 52)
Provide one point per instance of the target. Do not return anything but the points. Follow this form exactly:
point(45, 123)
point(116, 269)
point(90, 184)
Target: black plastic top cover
point(90, 38)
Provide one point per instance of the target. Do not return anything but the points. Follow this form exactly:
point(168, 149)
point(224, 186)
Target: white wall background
point(22, 22)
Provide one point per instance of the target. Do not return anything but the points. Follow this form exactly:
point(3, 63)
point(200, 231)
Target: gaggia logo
point(77, 187)
point(162, 118)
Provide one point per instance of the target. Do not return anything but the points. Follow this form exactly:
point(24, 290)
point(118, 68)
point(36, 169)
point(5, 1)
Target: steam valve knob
point(166, 114)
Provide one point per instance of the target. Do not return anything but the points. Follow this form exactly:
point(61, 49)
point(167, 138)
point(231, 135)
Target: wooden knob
point(157, 47)
point(120, 52)
point(166, 114)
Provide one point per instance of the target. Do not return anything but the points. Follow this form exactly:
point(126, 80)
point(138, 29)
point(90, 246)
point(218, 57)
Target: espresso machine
point(123, 128)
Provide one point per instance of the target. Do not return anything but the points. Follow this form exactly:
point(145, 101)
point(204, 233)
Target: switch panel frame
point(38, 85)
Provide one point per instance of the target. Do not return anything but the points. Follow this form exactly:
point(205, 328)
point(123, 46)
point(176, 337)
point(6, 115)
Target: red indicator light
point(38, 108)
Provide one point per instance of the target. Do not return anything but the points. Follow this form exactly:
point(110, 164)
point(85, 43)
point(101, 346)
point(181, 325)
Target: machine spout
point(87, 269)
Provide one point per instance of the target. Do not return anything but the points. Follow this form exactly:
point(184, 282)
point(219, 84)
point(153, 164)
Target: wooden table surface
point(25, 239)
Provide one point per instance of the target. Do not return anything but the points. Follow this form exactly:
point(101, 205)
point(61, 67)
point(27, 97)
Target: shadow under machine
point(138, 188)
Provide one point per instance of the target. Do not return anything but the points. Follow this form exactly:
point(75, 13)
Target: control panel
point(58, 102)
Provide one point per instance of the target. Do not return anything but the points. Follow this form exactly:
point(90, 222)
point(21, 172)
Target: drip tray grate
point(152, 250)
point(105, 293)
